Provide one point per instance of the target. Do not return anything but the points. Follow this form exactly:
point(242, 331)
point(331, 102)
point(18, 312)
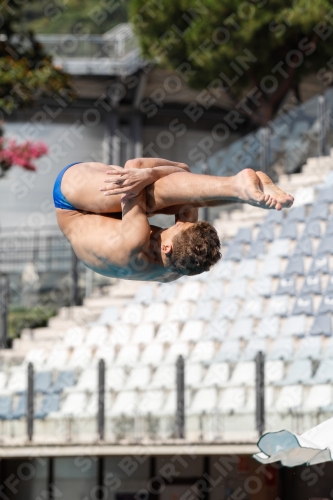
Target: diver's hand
point(127, 181)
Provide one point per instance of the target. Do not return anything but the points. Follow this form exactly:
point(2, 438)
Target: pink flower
point(12, 153)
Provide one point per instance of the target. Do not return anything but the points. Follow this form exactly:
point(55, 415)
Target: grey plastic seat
point(247, 269)
point(310, 348)
point(328, 351)
point(5, 407)
point(283, 348)
point(324, 373)
point(294, 325)
point(223, 270)
point(204, 310)
point(280, 248)
point(289, 230)
point(257, 250)
point(297, 214)
point(325, 195)
point(229, 351)
point(304, 246)
point(65, 379)
point(252, 308)
point(234, 252)
point(268, 327)
point(295, 266)
point(319, 264)
point(228, 308)
point(50, 403)
point(241, 329)
point(300, 371)
point(262, 286)
point(312, 284)
point(20, 410)
point(329, 228)
point(108, 316)
point(274, 216)
point(42, 381)
point(253, 347)
point(214, 289)
point(303, 305)
point(266, 232)
point(326, 246)
point(144, 295)
point(326, 305)
point(319, 212)
point(287, 286)
point(217, 330)
point(244, 235)
point(237, 288)
point(322, 325)
point(166, 292)
point(312, 228)
point(329, 287)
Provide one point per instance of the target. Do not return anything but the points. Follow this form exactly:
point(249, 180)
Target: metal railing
point(179, 417)
point(115, 52)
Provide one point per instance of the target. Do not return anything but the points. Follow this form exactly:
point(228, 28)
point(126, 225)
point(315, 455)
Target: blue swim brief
point(58, 198)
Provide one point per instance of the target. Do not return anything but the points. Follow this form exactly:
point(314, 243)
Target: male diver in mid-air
point(103, 210)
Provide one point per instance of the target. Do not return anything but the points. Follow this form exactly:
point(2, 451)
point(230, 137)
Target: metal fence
point(27, 408)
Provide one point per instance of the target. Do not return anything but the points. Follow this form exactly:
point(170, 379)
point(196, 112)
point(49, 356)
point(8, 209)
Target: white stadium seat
point(318, 397)
point(115, 378)
point(241, 329)
point(237, 288)
point(232, 399)
point(126, 403)
point(290, 397)
point(177, 349)
point(192, 331)
point(217, 375)
point(203, 351)
point(151, 403)
point(97, 335)
point(153, 354)
point(180, 311)
point(128, 355)
point(143, 334)
point(120, 333)
point(193, 375)
point(138, 378)
point(243, 374)
point(168, 332)
point(155, 313)
point(74, 404)
point(81, 357)
point(190, 291)
point(268, 327)
point(205, 400)
point(164, 377)
point(132, 314)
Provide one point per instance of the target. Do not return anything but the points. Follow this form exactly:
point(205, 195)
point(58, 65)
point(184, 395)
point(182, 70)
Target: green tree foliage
point(25, 71)
point(239, 45)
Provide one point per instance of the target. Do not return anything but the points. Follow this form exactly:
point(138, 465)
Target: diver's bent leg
point(202, 190)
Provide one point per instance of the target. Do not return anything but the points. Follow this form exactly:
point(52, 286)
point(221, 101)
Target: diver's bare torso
point(100, 251)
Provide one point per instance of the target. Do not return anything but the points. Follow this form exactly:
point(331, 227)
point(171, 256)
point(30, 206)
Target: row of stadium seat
point(237, 400)
point(219, 374)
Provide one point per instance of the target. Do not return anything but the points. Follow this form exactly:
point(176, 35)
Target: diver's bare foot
point(283, 199)
point(249, 190)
